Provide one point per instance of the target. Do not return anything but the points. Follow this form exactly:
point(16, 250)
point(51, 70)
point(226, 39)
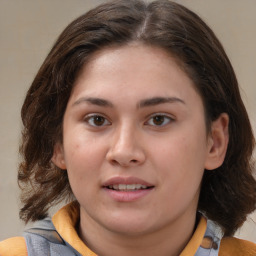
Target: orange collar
point(66, 220)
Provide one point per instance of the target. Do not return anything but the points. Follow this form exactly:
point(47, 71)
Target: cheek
point(82, 167)
point(83, 157)
point(179, 173)
point(182, 157)
point(79, 145)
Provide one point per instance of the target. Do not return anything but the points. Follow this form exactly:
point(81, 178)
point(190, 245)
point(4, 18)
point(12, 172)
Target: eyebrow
point(159, 100)
point(144, 103)
point(94, 101)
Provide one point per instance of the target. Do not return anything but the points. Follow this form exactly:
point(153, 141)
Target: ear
point(217, 142)
point(58, 156)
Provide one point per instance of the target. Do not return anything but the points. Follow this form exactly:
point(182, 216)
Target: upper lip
point(126, 180)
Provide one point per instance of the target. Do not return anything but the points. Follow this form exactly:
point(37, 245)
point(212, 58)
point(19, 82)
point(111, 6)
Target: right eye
point(96, 120)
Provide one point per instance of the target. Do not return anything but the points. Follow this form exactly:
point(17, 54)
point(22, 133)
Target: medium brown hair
point(228, 193)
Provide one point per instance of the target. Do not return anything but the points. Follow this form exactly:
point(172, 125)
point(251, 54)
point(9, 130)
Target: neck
point(167, 241)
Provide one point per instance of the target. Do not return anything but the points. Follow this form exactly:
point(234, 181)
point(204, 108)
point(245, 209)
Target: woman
point(136, 116)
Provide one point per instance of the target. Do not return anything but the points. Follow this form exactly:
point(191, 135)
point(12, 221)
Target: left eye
point(159, 120)
point(97, 120)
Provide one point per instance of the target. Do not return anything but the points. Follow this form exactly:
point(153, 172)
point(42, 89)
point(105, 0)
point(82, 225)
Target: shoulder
point(15, 246)
point(231, 246)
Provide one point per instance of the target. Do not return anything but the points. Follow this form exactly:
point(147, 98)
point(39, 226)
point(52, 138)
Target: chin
point(128, 226)
point(129, 230)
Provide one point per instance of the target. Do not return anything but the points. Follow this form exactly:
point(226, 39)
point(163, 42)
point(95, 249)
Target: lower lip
point(128, 196)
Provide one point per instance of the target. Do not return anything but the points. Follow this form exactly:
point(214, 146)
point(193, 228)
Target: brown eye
point(159, 120)
point(97, 120)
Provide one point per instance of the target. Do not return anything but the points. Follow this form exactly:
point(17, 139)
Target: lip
point(126, 181)
point(127, 196)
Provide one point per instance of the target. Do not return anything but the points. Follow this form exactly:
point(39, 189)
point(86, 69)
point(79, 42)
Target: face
point(134, 141)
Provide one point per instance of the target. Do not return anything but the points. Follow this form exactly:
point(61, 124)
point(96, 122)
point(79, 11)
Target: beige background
point(28, 29)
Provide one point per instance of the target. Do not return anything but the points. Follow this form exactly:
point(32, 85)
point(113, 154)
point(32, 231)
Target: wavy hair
point(228, 193)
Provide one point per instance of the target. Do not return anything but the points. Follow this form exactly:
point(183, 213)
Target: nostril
point(125, 157)
point(124, 163)
point(114, 162)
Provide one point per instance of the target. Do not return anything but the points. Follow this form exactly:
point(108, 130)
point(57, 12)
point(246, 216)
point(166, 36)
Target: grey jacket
point(44, 240)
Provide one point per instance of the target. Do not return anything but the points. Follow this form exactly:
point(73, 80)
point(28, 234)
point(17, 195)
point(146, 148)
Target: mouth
point(128, 187)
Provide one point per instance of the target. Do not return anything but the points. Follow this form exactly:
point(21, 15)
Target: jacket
point(58, 236)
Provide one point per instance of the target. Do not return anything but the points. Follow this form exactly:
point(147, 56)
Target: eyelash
point(165, 120)
point(92, 118)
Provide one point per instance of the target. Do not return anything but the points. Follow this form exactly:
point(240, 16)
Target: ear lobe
point(218, 142)
point(58, 156)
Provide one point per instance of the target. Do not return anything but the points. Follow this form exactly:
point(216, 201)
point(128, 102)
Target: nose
point(126, 148)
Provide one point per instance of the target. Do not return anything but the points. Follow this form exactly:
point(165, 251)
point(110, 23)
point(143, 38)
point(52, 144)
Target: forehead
point(134, 65)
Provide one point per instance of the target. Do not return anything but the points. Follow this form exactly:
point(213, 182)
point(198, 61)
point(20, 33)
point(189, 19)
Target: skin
point(163, 142)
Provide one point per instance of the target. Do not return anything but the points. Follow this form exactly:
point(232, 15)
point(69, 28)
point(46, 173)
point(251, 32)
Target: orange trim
point(65, 221)
point(231, 246)
point(15, 246)
point(196, 239)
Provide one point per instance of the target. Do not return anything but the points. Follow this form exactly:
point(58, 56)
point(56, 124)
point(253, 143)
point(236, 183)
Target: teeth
point(124, 187)
point(131, 186)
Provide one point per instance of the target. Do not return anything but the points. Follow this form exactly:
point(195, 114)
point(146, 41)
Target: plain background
point(28, 29)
